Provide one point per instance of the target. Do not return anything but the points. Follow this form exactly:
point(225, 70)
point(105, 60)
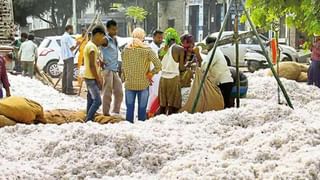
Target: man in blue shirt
point(68, 45)
point(112, 84)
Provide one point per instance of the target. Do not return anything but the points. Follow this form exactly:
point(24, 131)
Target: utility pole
point(74, 15)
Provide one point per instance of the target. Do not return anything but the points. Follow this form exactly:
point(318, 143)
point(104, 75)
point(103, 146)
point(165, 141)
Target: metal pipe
point(268, 58)
point(236, 36)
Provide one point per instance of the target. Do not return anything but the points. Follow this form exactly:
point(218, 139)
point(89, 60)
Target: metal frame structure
point(236, 37)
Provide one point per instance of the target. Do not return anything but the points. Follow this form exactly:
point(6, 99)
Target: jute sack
point(108, 119)
point(303, 77)
point(61, 116)
point(21, 110)
point(211, 97)
point(291, 71)
point(4, 121)
point(186, 78)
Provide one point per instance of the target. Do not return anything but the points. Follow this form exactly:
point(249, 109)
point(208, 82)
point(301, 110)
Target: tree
point(60, 11)
point(135, 14)
point(303, 14)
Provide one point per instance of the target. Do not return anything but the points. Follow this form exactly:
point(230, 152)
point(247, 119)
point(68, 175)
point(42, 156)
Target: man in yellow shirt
point(91, 75)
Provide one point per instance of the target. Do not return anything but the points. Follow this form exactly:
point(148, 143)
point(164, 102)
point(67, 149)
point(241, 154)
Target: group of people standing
point(149, 71)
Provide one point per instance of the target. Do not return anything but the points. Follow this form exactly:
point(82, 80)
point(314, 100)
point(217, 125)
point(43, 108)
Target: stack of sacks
point(292, 71)
point(15, 110)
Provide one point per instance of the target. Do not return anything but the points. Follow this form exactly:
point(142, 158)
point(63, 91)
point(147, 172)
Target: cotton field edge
point(260, 140)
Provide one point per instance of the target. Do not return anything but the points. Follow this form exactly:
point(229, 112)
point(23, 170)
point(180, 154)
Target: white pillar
point(186, 27)
point(74, 15)
point(200, 32)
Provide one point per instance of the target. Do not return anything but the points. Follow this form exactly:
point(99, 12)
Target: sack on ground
point(108, 119)
point(4, 121)
point(291, 71)
point(61, 116)
point(303, 77)
point(211, 97)
point(21, 110)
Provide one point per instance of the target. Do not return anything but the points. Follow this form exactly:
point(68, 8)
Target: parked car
point(49, 56)
point(255, 60)
point(288, 53)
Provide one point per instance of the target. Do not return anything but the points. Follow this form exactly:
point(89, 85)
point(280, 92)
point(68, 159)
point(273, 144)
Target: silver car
point(251, 44)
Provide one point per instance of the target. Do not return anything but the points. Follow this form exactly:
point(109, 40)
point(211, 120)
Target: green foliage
point(60, 10)
point(303, 14)
point(136, 13)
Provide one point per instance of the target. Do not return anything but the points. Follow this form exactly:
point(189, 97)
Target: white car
point(49, 56)
point(289, 53)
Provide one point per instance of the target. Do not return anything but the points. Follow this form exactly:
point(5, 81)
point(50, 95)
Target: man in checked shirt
point(136, 59)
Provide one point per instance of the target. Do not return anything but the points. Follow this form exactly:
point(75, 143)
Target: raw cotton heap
point(260, 140)
point(47, 96)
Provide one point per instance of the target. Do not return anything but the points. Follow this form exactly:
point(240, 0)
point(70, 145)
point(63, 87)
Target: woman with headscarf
point(172, 65)
point(136, 59)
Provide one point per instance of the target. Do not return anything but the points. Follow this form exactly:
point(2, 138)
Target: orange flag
point(274, 50)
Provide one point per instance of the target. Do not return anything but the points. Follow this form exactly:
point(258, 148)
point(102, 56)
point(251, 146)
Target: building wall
point(172, 12)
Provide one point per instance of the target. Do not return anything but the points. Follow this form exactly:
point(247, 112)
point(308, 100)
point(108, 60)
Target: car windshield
point(59, 42)
point(45, 43)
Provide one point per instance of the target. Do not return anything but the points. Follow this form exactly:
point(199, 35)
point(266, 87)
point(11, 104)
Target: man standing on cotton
point(68, 45)
point(28, 54)
point(91, 74)
point(154, 88)
point(112, 84)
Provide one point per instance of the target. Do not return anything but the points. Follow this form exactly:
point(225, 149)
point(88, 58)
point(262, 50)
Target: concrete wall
point(172, 10)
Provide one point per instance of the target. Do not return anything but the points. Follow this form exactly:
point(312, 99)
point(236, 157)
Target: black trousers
point(226, 89)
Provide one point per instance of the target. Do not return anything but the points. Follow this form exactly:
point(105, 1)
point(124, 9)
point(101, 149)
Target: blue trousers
point(314, 74)
point(93, 99)
point(143, 97)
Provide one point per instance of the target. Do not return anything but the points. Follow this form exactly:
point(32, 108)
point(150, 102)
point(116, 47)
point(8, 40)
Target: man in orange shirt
point(82, 40)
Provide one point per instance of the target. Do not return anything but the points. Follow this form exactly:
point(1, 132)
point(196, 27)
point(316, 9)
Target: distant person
point(4, 82)
point(91, 75)
point(17, 44)
point(192, 53)
point(112, 84)
point(136, 59)
point(172, 64)
point(82, 41)
point(155, 46)
point(314, 69)
point(157, 41)
point(28, 55)
point(68, 45)
point(219, 72)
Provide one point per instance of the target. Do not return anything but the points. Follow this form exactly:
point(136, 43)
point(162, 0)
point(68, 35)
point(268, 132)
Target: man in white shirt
point(28, 54)
point(219, 72)
point(68, 45)
point(155, 46)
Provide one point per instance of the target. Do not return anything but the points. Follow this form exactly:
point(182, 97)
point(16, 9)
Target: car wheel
point(75, 72)
point(253, 66)
point(52, 69)
point(286, 59)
